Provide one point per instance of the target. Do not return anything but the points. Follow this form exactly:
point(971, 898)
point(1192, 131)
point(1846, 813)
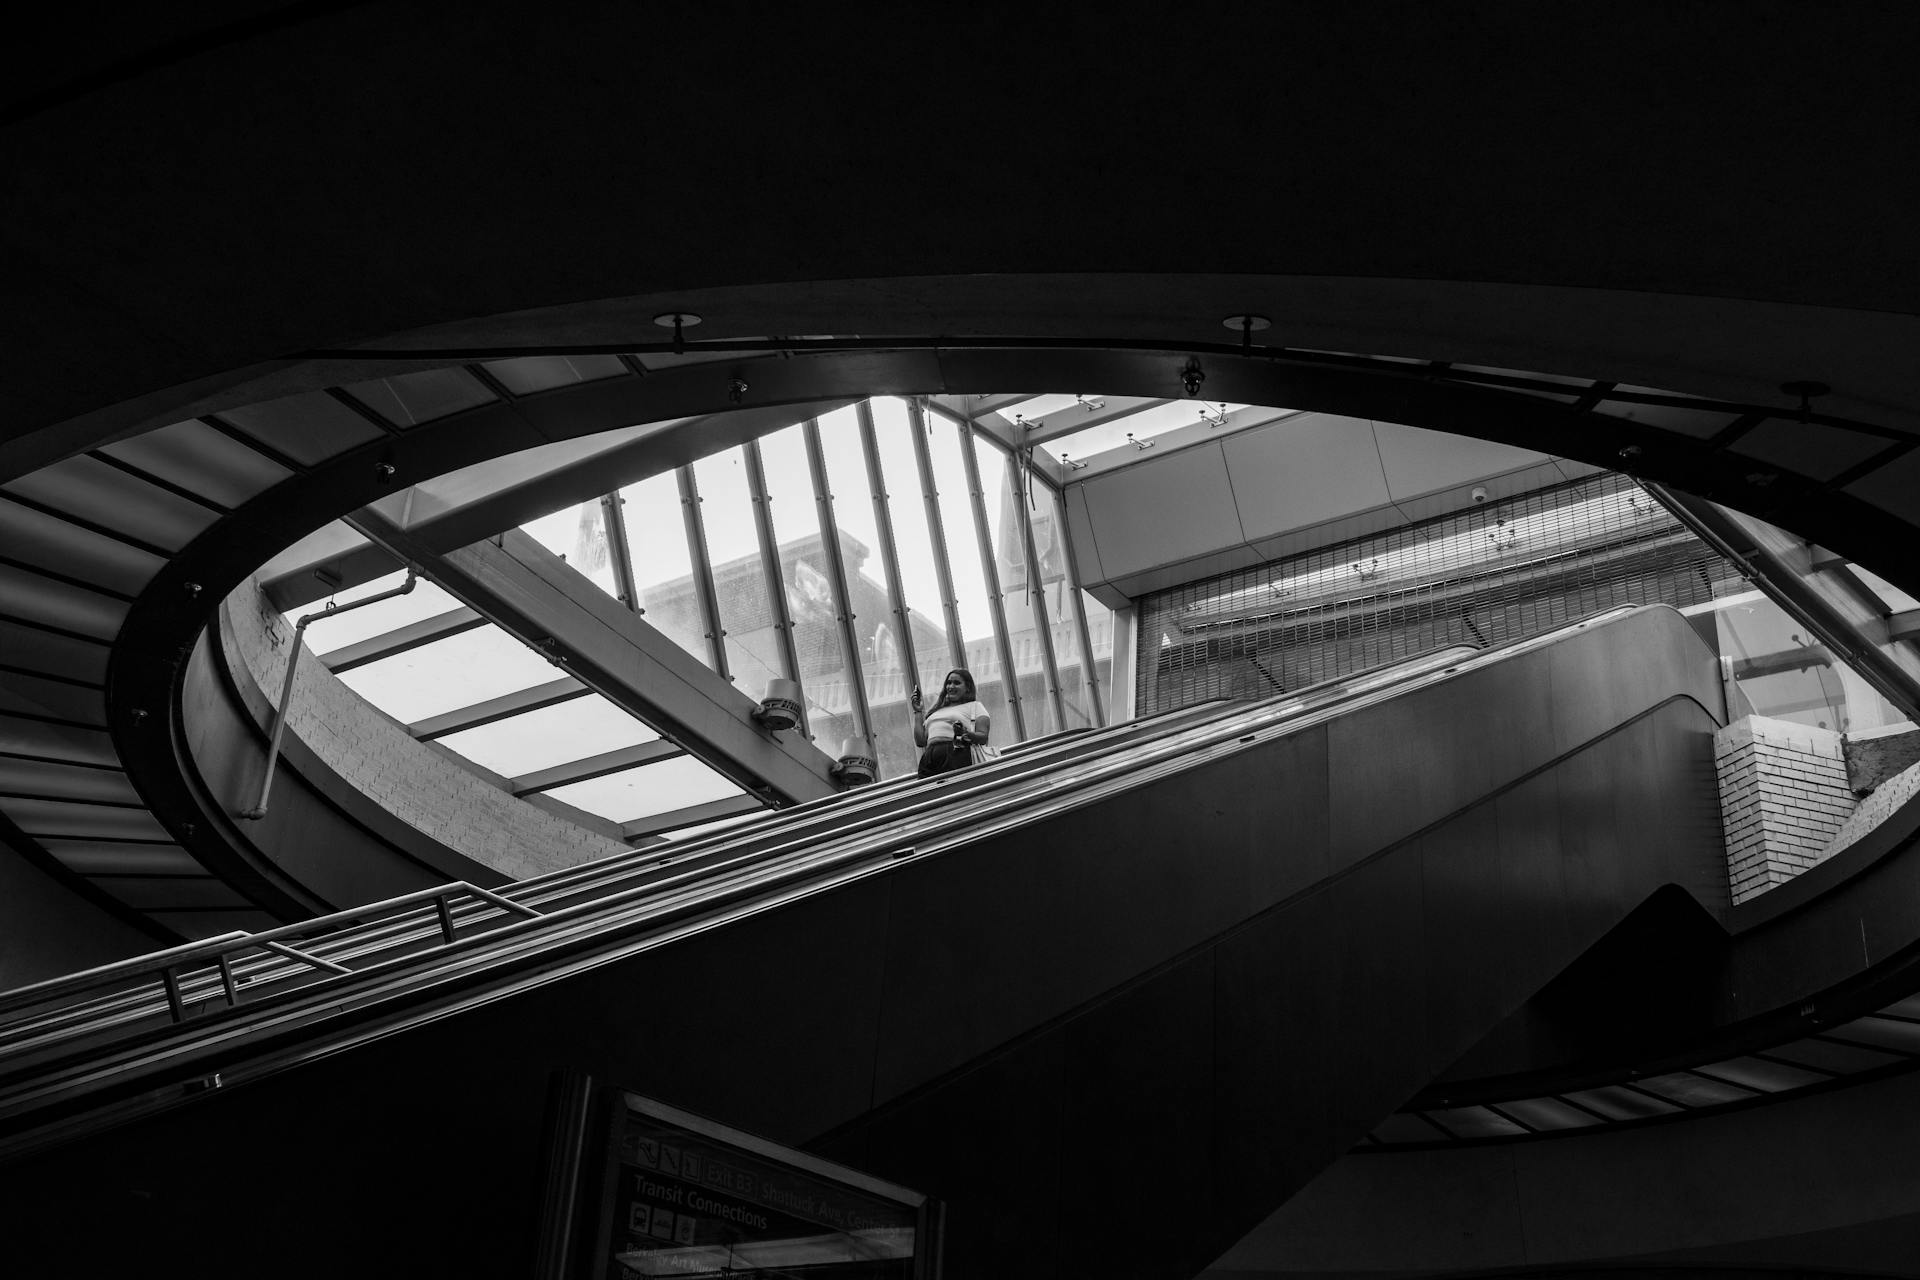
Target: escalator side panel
point(1286, 1038)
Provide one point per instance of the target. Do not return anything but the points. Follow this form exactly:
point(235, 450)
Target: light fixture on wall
point(1089, 405)
point(780, 708)
point(1214, 417)
point(1137, 443)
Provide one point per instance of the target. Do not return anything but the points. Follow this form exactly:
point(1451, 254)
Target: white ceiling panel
point(202, 460)
point(34, 537)
point(1162, 512)
point(1304, 470)
point(1417, 461)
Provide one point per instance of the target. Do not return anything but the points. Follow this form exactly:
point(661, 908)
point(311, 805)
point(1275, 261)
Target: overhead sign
point(687, 1197)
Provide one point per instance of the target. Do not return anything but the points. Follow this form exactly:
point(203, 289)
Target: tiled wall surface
point(1784, 796)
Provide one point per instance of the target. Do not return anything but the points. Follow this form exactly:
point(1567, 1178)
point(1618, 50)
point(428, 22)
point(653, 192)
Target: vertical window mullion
point(770, 561)
point(1023, 477)
point(990, 572)
point(936, 529)
point(702, 571)
point(617, 549)
point(889, 549)
point(1080, 613)
point(837, 573)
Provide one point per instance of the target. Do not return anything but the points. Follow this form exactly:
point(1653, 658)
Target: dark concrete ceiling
point(1713, 192)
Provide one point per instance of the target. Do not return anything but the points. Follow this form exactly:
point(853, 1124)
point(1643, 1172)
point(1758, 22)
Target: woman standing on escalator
point(950, 731)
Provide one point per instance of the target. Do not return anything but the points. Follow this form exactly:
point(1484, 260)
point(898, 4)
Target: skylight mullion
point(1099, 708)
point(770, 565)
point(889, 549)
point(837, 575)
point(617, 549)
point(936, 529)
point(702, 571)
point(990, 572)
point(1021, 477)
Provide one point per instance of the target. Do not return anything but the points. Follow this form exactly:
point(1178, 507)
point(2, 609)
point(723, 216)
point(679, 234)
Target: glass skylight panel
point(881, 664)
point(408, 399)
point(945, 441)
point(1032, 411)
point(754, 650)
point(824, 678)
point(1007, 517)
point(424, 601)
point(578, 535)
point(919, 577)
point(535, 740)
point(660, 787)
point(662, 566)
point(526, 375)
point(448, 674)
point(1145, 425)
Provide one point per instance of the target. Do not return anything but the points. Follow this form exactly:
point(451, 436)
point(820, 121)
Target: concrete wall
point(1783, 798)
point(445, 800)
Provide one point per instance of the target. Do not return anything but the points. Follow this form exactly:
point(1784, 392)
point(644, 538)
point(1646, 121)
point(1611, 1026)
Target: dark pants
point(944, 755)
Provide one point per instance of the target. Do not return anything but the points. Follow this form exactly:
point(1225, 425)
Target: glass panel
point(662, 566)
point(571, 730)
point(969, 578)
point(1693, 1090)
point(1548, 1113)
point(1100, 632)
point(739, 574)
point(528, 374)
point(1828, 1055)
point(447, 674)
point(1618, 1103)
point(1475, 1122)
point(578, 535)
point(805, 572)
point(660, 787)
point(1883, 1033)
point(1007, 515)
point(407, 399)
point(1062, 601)
point(1783, 670)
point(919, 578)
point(1757, 1073)
point(882, 665)
point(425, 601)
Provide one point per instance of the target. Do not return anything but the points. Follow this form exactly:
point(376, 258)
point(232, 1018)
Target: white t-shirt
point(940, 722)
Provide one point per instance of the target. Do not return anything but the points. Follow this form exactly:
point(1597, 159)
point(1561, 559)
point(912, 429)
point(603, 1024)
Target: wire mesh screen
point(1495, 573)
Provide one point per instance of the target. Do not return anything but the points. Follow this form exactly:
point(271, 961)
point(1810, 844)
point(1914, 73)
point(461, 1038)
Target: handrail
point(740, 866)
point(168, 964)
point(399, 930)
point(602, 930)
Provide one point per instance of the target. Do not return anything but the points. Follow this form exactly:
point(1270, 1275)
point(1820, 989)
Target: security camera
point(1480, 493)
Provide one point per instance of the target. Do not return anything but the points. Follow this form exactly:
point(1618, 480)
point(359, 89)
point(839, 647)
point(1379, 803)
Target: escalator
point(1111, 1000)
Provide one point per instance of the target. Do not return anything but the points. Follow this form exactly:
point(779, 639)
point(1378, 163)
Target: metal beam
point(1904, 625)
point(702, 568)
point(837, 579)
point(936, 534)
point(889, 548)
point(516, 703)
point(538, 598)
point(397, 641)
point(479, 501)
point(691, 816)
point(990, 572)
point(561, 775)
point(775, 583)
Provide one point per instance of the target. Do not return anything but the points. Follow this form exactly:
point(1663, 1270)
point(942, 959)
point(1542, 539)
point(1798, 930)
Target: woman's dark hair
point(966, 676)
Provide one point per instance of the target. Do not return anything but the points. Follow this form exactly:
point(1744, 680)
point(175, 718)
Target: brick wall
point(1783, 797)
point(423, 787)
